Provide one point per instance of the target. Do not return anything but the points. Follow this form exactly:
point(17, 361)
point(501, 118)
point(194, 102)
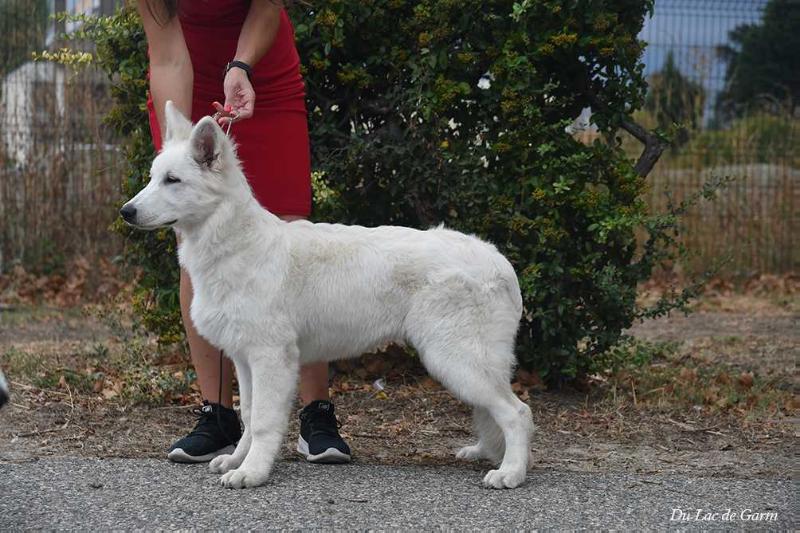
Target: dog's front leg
point(274, 379)
point(225, 463)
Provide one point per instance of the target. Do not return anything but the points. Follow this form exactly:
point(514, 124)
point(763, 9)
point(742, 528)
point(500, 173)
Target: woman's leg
point(319, 440)
point(313, 382)
point(205, 358)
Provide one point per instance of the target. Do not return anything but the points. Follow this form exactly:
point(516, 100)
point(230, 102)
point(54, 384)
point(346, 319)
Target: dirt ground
point(409, 418)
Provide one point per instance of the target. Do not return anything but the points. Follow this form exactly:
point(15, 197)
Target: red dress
point(272, 144)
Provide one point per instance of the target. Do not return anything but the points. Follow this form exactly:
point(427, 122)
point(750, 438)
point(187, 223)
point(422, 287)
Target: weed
point(631, 353)
point(20, 364)
point(672, 381)
point(129, 372)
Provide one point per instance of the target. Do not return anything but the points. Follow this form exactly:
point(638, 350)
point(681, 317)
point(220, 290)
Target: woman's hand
point(240, 98)
point(255, 38)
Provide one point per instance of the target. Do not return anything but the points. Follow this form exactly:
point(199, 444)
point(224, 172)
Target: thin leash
point(233, 117)
point(219, 398)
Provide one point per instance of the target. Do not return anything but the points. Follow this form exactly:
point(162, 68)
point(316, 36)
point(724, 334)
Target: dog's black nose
point(128, 213)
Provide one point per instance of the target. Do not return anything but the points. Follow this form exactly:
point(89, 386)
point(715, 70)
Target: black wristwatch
point(239, 64)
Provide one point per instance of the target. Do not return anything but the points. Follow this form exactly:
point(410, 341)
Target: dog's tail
point(509, 281)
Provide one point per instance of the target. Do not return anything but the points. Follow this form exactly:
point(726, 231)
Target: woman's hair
point(164, 10)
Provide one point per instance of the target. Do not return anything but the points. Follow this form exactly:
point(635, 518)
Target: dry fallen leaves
point(746, 379)
point(83, 281)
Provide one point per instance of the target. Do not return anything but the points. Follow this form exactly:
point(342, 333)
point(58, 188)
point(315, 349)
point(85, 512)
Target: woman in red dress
point(241, 53)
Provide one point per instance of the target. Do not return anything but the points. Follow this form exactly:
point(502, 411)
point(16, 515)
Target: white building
point(34, 95)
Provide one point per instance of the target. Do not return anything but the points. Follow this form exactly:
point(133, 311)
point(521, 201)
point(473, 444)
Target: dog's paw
point(470, 453)
point(504, 479)
point(241, 478)
point(222, 464)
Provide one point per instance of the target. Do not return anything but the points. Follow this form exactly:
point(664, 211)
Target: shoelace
point(206, 420)
point(209, 424)
point(322, 422)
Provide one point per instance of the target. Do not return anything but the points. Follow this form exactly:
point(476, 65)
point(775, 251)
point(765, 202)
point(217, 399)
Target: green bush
point(454, 111)
point(445, 111)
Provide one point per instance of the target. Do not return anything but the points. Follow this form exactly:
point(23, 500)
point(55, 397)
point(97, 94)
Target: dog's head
point(194, 172)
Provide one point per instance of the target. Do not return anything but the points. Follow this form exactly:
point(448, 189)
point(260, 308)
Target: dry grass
point(680, 379)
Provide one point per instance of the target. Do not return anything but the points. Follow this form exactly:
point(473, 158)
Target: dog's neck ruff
point(228, 228)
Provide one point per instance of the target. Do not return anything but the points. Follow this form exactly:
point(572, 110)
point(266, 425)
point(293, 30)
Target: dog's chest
point(222, 311)
point(213, 319)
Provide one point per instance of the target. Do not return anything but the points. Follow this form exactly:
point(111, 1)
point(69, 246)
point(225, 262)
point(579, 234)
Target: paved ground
point(146, 493)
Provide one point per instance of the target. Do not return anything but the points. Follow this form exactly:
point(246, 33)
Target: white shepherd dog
point(275, 295)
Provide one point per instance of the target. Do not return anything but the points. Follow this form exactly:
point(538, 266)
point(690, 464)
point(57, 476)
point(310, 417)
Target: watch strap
point(239, 64)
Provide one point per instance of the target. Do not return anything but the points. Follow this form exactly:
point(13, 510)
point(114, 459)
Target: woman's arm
point(259, 30)
point(255, 39)
point(171, 74)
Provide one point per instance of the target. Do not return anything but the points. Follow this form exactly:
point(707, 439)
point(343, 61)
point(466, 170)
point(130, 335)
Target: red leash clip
point(230, 114)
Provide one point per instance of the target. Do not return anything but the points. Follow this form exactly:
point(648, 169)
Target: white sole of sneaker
point(329, 456)
point(179, 456)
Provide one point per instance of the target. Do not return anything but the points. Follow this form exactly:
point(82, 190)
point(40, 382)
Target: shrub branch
point(654, 146)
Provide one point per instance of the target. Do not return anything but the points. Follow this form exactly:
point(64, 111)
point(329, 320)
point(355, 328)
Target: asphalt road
point(92, 494)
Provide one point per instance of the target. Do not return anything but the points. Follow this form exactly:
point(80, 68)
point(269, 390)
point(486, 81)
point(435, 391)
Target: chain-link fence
point(727, 70)
point(59, 166)
point(711, 66)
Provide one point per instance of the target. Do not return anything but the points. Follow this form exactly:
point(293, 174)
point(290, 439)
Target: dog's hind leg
point(481, 377)
point(274, 380)
point(514, 418)
point(464, 332)
point(225, 463)
point(492, 395)
point(491, 443)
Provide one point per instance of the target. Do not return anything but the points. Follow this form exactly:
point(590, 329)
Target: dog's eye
point(169, 179)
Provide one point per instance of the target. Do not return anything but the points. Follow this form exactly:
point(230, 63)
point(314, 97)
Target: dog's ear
point(178, 127)
point(206, 142)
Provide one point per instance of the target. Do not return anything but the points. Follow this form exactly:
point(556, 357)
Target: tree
point(675, 99)
point(22, 31)
point(763, 62)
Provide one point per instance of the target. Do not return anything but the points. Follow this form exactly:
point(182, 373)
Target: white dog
point(276, 295)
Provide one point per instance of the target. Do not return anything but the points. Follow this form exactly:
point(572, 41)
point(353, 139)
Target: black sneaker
point(216, 433)
point(319, 439)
